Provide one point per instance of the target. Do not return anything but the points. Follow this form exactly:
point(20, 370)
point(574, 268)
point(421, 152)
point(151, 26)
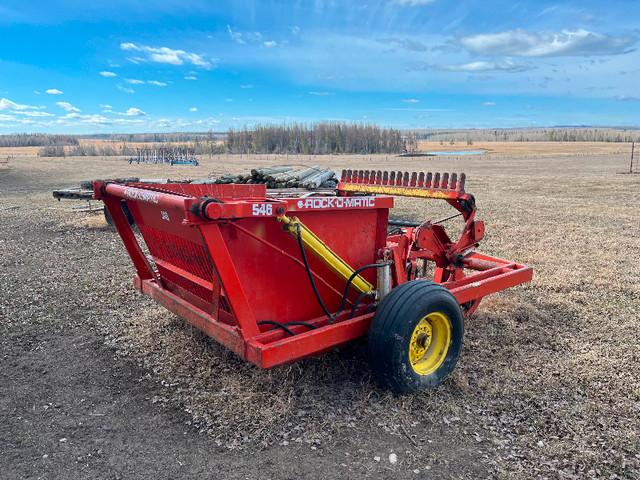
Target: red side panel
point(278, 288)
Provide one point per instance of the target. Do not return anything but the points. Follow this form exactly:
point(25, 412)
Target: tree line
point(83, 150)
point(110, 150)
point(316, 139)
point(560, 134)
point(37, 140)
point(168, 137)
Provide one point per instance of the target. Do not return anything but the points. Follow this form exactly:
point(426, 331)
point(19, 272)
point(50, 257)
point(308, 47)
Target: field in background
point(548, 384)
point(495, 148)
point(530, 148)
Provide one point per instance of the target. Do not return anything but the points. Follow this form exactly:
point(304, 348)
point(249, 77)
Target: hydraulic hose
point(332, 318)
point(313, 283)
point(285, 326)
point(355, 305)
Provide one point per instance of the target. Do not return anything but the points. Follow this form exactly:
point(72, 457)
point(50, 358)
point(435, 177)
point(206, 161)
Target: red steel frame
point(218, 258)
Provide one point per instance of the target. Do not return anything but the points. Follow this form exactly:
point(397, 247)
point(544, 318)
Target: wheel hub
point(429, 343)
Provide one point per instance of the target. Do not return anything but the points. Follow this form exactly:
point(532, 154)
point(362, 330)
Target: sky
point(196, 65)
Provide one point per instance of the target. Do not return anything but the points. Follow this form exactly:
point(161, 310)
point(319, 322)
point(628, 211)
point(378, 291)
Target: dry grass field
point(492, 148)
point(529, 148)
point(547, 386)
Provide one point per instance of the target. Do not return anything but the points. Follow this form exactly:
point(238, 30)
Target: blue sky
point(140, 66)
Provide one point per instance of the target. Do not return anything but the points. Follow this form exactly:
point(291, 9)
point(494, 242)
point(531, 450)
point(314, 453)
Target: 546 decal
point(262, 209)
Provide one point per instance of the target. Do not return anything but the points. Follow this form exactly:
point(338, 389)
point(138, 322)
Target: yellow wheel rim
point(429, 343)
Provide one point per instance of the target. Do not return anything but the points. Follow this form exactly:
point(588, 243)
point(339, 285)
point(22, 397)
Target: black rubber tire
point(107, 216)
point(127, 213)
point(125, 210)
point(391, 329)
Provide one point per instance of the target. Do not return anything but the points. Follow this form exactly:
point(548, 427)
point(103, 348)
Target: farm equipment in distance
point(170, 155)
point(277, 278)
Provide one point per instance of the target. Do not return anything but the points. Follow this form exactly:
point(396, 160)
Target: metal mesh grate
point(177, 251)
point(182, 253)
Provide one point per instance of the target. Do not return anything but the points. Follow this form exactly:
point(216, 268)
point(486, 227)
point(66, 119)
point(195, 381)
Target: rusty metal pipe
point(480, 265)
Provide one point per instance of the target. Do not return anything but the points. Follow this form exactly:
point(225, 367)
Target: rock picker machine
point(277, 278)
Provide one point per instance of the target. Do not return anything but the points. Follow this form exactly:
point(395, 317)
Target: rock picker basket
point(286, 276)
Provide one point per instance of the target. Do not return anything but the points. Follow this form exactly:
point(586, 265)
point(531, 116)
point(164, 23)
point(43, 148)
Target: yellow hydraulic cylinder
point(323, 253)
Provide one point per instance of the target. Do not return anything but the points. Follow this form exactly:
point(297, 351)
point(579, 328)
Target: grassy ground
point(548, 381)
point(493, 148)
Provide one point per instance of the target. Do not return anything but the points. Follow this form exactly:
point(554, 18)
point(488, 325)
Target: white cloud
point(294, 29)
point(6, 104)
point(67, 106)
point(134, 112)
point(127, 121)
point(411, 100)
point(405, 43)
point(96, 120)
point(193, 109)
point(134, 81)
point(207, 121)
point(229, 100)
point(625, 98)
point(246, 86)
point(489, 104)
point(236, 37)
point(166, 55)
point(163, 123)
point(190, 78)
point(29, 113)
point(126, 89)
point(484, 67)
point(106, 105)
point(54, 91)
point(37, 92)
point(322, 94)
point(83, 119)
point(523, 43)
point(28, 120)
point(108, 74)
point(245, 38)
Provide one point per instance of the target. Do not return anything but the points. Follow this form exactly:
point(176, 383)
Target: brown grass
point(530, 148)
point(549, 377)
point(18, 151)
point(492, 148)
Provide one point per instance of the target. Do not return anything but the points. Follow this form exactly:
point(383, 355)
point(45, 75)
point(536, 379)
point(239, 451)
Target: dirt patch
point(547, 384)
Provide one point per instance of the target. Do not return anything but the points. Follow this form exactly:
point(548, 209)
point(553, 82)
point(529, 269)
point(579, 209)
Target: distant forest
point(80, 150)
point(171, 137)
point(559, 134)
point(316, 139)
point(37, 140)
